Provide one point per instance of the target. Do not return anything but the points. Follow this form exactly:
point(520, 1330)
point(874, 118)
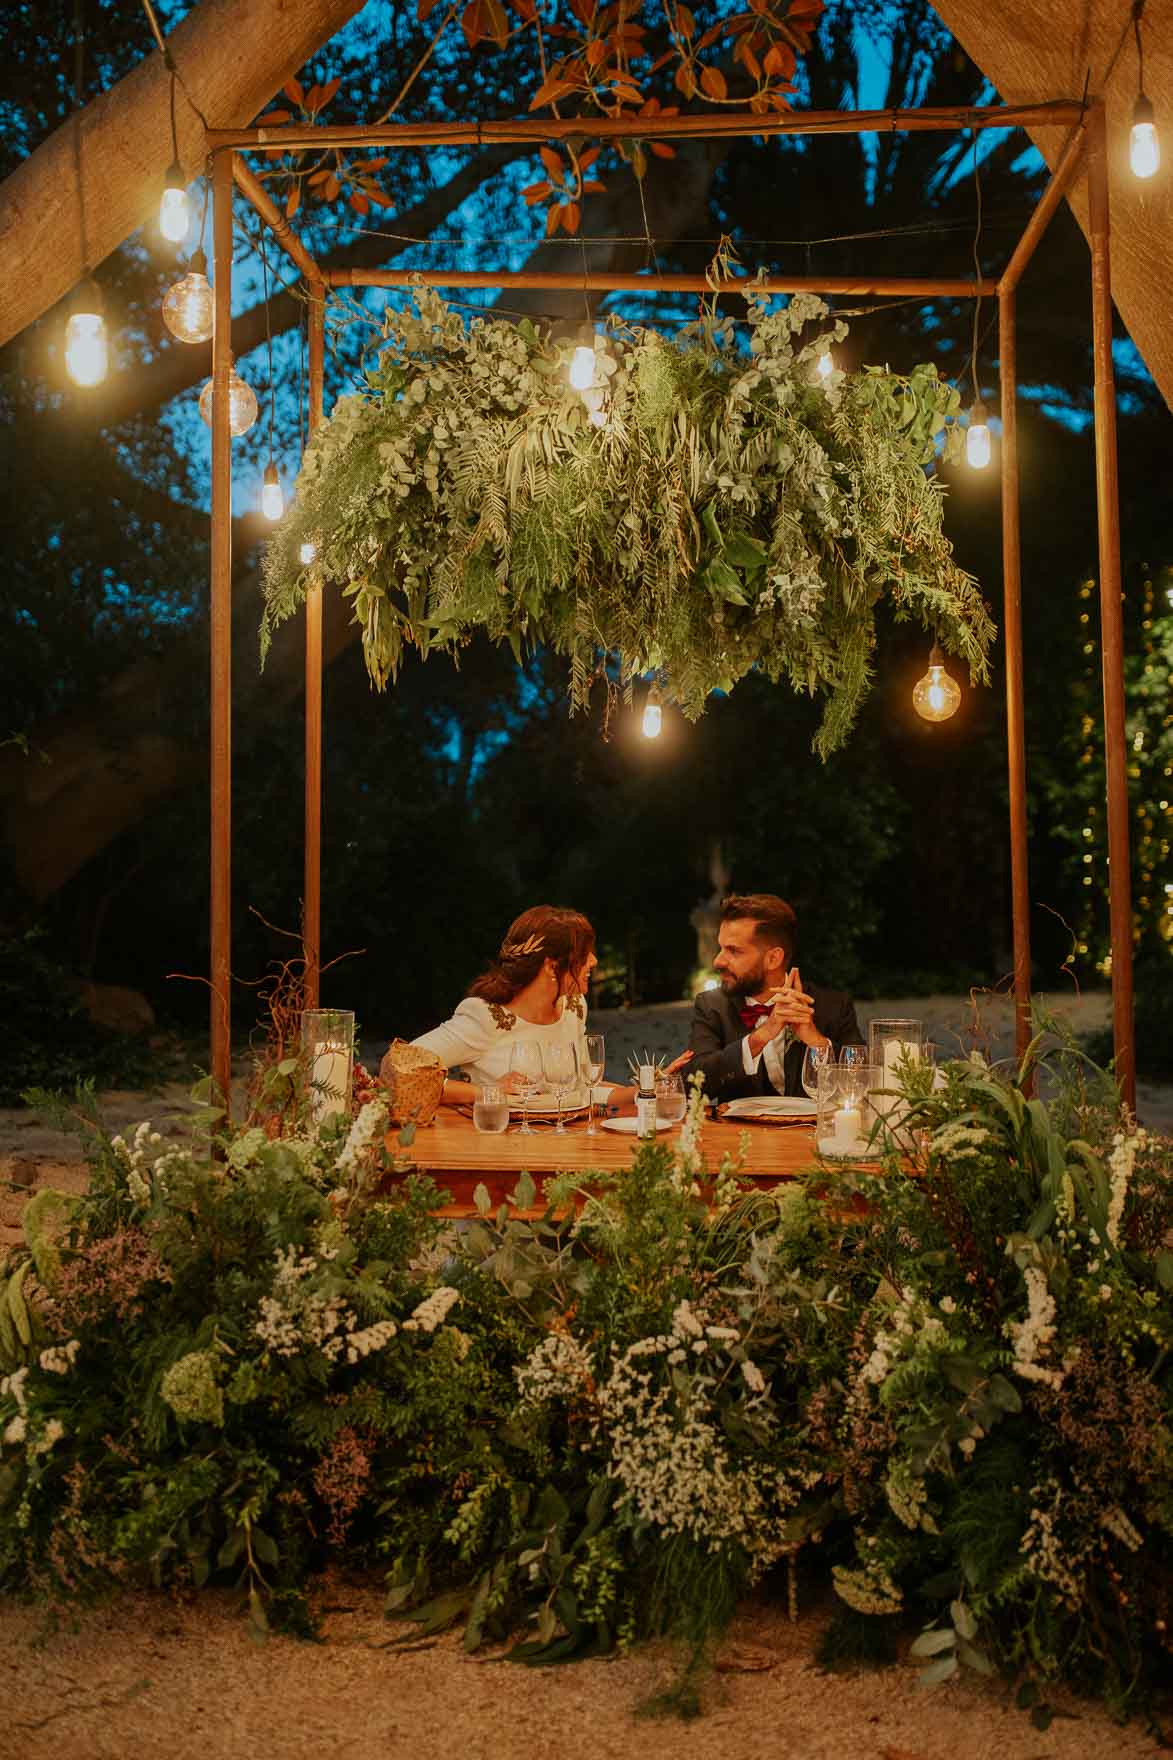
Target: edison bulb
point(977, 438)
point(936, 696)
point(1144, 149)
point(187, 309)
point(86, 353)
point(272, 500)
point(825, 366)
point(242, 404)
point(653, 718)
point(582, 368)
point(174, 214)
point(307, 553)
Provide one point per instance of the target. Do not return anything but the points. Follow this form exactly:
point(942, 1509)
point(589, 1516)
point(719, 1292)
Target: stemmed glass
point(814, 1059)
point(853, 1056)
point(560, 1060)
point(594, 1064)
point(525, 1062)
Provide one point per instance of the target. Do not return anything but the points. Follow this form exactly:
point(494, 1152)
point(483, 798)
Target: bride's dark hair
point(541, 933)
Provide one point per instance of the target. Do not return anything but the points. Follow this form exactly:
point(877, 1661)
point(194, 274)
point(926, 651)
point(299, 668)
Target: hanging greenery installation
point(700, 509)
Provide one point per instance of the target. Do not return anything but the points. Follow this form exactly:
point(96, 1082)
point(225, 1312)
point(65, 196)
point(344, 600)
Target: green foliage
point(569, 1433)
point(764, 514)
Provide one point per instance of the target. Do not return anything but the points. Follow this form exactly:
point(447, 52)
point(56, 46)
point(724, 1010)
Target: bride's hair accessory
point(521, 949)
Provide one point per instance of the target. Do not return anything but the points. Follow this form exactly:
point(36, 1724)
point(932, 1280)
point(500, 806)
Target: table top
point(459, 1158)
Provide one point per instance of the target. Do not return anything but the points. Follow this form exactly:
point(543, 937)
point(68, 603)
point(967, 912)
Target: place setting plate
point(769, 1109)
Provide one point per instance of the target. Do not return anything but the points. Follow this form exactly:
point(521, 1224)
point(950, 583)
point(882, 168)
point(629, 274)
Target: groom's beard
point(750, 984)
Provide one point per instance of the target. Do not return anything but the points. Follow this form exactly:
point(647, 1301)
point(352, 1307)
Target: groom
point(750, 1036)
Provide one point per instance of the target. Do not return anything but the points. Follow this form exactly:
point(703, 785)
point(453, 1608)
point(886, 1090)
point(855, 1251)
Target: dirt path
point(155, 1679)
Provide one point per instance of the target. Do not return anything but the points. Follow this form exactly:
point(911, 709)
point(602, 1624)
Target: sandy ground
point(150, 1676)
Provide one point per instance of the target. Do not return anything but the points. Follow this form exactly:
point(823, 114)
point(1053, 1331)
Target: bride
point(535, 990)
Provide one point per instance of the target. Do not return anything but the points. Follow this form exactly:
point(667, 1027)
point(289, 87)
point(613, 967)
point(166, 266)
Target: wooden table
point(459, 1158)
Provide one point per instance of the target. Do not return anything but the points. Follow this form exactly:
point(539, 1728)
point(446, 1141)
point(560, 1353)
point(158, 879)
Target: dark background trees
point(465, 793)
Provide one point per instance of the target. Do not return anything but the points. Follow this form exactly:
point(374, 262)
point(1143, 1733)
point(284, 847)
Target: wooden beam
point(220, 933)
point(857, 287)
point(1061, 113)
point(255, 192)
point(1065, 174)
point(1111, 618)
point(1012, 630)
point(311, 908)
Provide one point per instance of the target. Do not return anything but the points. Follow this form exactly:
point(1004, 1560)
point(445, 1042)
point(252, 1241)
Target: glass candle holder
point(327, 1042)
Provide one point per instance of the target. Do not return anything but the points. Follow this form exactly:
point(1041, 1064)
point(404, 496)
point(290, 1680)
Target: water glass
point(525, 1062)
point(853, 1056)
point(594, 1066)
point(671, 1104)
point(490, 1111)
point(560, 1062)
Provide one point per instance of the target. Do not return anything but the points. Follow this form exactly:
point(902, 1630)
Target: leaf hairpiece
point(521, 949)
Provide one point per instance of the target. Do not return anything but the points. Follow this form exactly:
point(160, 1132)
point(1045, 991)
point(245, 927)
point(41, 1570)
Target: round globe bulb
point(582, 368)
point(1144, 149)
point(174, 213)
point(187, 308)
point(272, 500)
point(86, 352)
point(307, 553)
point(936, 696)
point(242, 404)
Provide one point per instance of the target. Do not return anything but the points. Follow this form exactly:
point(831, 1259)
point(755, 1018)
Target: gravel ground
point(154, 1677)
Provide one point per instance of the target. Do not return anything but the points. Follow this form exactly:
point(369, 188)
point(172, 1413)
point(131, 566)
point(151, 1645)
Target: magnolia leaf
point(964, 1624)
point(931, 1643)
point(943, 1669)
point(482, 1199)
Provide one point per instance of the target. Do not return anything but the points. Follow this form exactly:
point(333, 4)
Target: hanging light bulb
point(582, 368)
point(187, 309)
point(977, 437)
point(597, 418)
point(825, 366)
point(272, 500)
point(1144, 149)
point(174, 213)
point(242, 404)
point(653, 714)
point(307, 553)
point(86, 352)
point(936, 696)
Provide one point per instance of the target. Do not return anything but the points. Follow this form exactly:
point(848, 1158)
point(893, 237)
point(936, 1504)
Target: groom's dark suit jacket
point(718, 1029)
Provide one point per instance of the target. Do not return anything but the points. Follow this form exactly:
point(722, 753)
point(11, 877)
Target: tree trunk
point(233, 56)
point(1038, 49)
point(93, 773)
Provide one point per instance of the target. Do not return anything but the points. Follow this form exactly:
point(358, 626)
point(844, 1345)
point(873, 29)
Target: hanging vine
point(700, 509)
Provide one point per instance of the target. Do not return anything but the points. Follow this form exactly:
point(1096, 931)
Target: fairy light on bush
point(582, 369)
point(825, 366)
point(1144, 149)
point(307, 553)
point(936, 696)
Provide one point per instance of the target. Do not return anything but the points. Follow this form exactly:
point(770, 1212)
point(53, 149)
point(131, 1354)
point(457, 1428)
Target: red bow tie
point(753, 1012)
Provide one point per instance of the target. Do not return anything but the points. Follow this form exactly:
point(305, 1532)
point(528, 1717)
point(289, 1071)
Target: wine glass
point(853, 1056)
point(814, 1059)
point(594, 1064)
point(671, 1105)
point(525, 1062)
point(560, 1061)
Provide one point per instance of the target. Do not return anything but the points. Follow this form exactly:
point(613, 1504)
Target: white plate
point(629, 1126)
point(771, 1106)
point(546, 1105)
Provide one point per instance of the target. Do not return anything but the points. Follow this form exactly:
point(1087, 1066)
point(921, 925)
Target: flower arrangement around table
point(947, 1396)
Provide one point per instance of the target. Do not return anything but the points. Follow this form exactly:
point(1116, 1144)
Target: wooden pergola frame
point(1084, 152)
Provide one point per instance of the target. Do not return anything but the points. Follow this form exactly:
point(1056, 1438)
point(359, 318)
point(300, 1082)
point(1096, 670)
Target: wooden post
point(1111, 618)
point(1012, 629)
point(221, 635)
point(311, 930)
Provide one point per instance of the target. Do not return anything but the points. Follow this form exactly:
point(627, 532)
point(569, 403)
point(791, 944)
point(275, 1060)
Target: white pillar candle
point(895, 1052)
point(846, 1125)
point(330, 1078)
